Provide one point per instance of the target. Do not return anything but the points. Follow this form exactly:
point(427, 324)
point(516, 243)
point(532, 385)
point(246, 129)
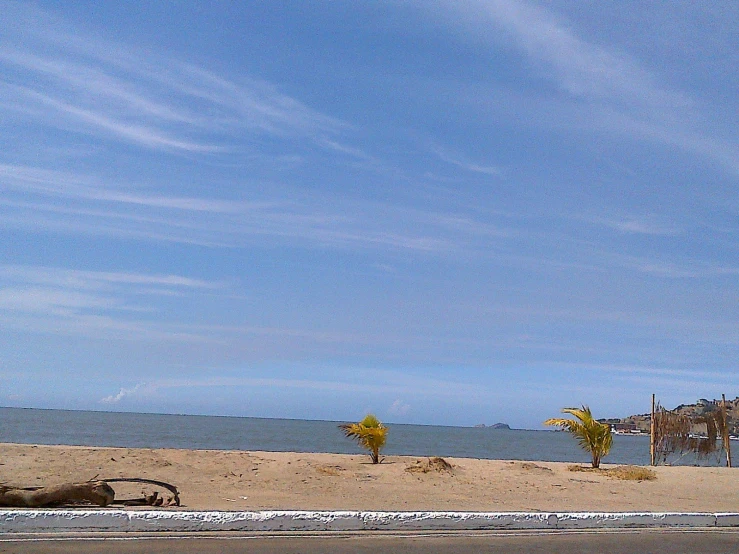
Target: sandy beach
point(233, 480)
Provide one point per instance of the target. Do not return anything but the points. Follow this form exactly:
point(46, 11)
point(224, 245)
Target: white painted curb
point(38, 521)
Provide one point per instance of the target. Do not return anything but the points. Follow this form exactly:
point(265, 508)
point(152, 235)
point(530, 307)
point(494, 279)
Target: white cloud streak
point(57, 76)
point(637, 225)
point(95, 280)
point(461, 161)
point(97, 207)
point(94, 304)
point(582, 69)
point(601, 88)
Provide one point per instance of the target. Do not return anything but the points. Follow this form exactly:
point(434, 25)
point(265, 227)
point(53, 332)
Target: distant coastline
point(136, 430)
point(231, 416)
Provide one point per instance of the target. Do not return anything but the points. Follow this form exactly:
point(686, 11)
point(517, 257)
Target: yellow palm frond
point(369, 433)
point(593, 436)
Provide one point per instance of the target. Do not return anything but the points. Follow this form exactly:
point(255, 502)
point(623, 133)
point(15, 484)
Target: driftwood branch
point(149, 500)
point(93, 492)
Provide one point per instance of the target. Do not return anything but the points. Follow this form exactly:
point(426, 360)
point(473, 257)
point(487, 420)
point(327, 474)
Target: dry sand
point(229, 480)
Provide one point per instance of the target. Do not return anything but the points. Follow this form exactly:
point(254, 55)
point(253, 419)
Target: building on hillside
point(624, 428)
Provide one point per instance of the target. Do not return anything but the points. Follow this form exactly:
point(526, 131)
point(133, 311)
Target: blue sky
point(439, 211)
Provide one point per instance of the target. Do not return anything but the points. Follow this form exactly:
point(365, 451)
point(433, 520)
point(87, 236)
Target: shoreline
point(256, 480)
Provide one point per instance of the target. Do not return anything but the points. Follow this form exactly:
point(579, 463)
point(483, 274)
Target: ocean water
point(32, 426)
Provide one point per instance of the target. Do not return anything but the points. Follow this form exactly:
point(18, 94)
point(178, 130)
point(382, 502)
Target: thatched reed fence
point(677, 433)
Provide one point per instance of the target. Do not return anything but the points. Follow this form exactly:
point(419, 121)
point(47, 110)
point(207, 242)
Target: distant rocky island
point(640, 423)
point(494, 426)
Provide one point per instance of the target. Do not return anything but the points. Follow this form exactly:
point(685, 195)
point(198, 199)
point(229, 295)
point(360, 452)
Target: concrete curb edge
point(41, 521)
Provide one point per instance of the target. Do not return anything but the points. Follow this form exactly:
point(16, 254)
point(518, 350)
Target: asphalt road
point(713, 541)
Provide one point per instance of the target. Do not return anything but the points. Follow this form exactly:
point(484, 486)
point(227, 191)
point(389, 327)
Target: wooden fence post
point(727, 440)
point(652, 430)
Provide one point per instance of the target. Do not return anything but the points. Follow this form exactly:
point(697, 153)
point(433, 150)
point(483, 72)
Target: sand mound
point(529, 466)
point(435, 464)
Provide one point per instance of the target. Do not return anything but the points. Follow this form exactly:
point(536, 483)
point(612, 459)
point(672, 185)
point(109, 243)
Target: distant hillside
point(641, 422)
point(495, 426)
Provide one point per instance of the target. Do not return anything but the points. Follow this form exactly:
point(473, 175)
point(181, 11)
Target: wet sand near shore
point(234, 480)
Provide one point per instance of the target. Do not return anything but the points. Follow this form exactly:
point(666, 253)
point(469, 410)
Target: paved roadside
point(644, 541)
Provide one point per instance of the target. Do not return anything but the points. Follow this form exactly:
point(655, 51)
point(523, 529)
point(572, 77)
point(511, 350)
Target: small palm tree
point(369, 433)
point(593, 436)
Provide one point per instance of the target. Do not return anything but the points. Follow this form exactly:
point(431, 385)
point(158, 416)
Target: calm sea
point(31, 426)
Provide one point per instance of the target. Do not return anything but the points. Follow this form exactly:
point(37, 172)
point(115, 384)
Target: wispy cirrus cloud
point(132, 306)
point(58, 76)
point(673, 385)
point(93, 303)
point(96, 280)
point(649, 224)
point(581, 68)
point(667, 372)
point(671, 269)
point(600, 87)
point(642, 227)
point(462, 161)
point(95, 206)
point(30, 299)
point(109, 305)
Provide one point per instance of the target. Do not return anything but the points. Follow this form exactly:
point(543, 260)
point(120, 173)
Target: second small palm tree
point(369, 433)
point(593, 436)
